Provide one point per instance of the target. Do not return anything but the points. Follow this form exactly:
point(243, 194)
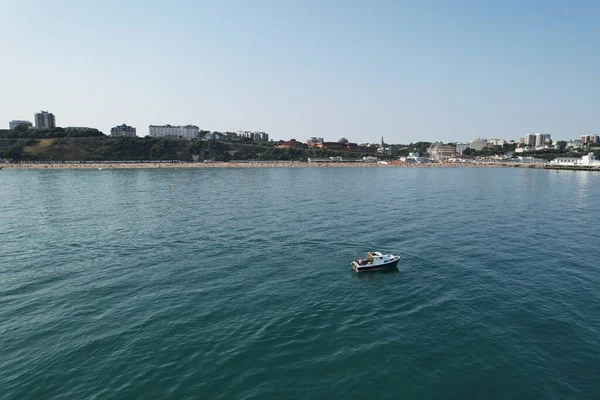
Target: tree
point(21, 128)
point(15, 153)
point(561, 144)
point(343, 140)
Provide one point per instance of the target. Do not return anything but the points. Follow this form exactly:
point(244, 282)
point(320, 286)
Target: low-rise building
point(339, 146)
point(460, 147)
point(170, 131)
point(315, 142)
point(16, 122)
point(588, 160)
point(495, 142)
point(78, 128)
point(384, 150)
point(123, 131)
point(438, 151)
point(212, 136)
point(292, 144)
point(524, 149)
point(333, 146)
point(254, 135)
point(529, 160)
point(478, 144)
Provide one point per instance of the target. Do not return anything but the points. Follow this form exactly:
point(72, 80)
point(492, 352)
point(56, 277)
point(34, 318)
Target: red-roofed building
point(292, 144)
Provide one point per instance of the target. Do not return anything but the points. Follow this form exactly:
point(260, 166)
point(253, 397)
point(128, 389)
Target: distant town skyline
point(447, 71)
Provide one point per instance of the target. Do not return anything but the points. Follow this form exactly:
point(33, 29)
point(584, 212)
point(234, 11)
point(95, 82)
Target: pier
point(572, 167)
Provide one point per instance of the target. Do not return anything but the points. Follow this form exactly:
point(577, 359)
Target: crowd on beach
point(290, 164)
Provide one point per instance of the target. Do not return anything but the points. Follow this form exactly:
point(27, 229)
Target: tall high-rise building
point(541, 139)
point(530, 140)
point(590, 138)
point(44, 120)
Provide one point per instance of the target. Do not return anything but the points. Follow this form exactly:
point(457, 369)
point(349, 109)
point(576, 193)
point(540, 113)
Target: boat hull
point(368, 268)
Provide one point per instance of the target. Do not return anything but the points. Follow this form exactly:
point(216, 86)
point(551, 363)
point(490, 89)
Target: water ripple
point(235, 283)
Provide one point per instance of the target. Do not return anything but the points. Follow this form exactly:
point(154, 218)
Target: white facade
point(529, 160)
point(212, 136)
point(574, 143)
point(165, 131)
point(496, 142)
point(254, 135)
point(589, 160)
point(123, 131)
point(14, 123)
point(478, 144)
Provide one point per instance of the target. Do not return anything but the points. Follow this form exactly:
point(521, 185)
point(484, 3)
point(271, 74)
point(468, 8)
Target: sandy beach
point(153, 165)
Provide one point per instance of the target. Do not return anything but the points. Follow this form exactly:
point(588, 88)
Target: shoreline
point(151, 165)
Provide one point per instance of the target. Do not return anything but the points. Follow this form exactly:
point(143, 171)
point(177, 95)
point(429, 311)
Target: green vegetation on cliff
point(22, 132)
point(101, 148)
point(105, 148)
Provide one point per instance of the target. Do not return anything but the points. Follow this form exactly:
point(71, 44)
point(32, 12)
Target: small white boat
point(375, 261)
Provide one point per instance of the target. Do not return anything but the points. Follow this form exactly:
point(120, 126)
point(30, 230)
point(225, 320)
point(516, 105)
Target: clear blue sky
point(414, 70)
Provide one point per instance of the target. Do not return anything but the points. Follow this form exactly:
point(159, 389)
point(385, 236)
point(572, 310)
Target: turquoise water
point(236, 284)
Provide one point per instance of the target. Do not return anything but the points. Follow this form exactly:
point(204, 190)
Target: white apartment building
point(478, 144)
point(16, 122)
point(496, 142)
point(212, 136)
point(574, 143)
point(165, 131)
point(123, 131)
point(254, 135)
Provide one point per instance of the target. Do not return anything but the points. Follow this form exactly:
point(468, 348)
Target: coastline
point(291, 164)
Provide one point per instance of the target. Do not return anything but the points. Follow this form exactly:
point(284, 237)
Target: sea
point(235, 283)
